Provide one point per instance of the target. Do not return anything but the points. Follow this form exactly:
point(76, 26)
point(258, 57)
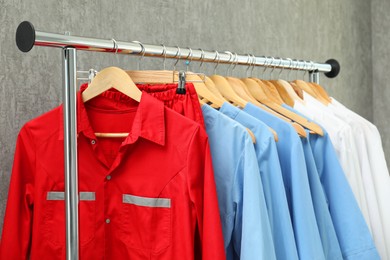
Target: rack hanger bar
point(27, 37)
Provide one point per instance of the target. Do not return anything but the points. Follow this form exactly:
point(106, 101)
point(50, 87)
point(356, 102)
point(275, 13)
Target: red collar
point(149, 121)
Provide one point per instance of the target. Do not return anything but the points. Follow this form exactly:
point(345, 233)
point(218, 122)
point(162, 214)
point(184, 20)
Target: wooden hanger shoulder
point(263, 85)
point(283, 93)
point(295, 117)
point(239, 87)
point(226, 90)
point(297, 90)
point(202, 90)
point(290, 91)
point(111, 77)
point(321, 91)
point(273, 91)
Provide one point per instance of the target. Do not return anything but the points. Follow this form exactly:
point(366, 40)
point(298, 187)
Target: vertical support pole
point(70, 153)
point(314, 76)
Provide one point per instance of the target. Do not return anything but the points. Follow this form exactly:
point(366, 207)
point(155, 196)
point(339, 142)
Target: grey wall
point(381, 77)
point(30, 84)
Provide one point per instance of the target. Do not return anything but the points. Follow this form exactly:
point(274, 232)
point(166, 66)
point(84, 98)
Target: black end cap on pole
point(25, 36)
point(335, 68)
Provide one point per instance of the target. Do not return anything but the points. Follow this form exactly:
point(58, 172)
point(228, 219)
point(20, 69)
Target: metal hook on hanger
point(178, 54)
point(219, 59)
point(142, 52)
point(190, 56)
point(265, 66)
point(290, 68)
point(230, 58)
point(235, 60)
point(273, 67)
point(305, 69)
point(164, 54)
point(249, 61)
point(116, 47)
point(253, 64)
point(297, 69)
point(201, 59)
point(281, 69)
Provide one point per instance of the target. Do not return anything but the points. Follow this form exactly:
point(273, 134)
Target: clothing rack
point(27, 37)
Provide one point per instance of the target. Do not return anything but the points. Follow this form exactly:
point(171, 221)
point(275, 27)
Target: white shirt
point(376, 222)
point(379, 170)
point(342, 139)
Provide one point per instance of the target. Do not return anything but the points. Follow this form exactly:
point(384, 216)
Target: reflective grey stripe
point(147, 202)
point(85, 195)
point(55, 195)
point(59, 195)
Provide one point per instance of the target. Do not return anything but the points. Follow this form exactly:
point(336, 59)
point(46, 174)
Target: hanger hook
point(218, 59)
point(281, 68)
point(164, 54)
point(305, 67)
point(290, 68)
point(178, 54)
point(201, 59)
point(253, 64)
point(235, 60)
point(270, 64)
point(273, 67)
point(297, 68)
point(230, 64)
point(264, 65)
point(190, 56)
point(249, 61)
point(142, 52)
point(116, 47)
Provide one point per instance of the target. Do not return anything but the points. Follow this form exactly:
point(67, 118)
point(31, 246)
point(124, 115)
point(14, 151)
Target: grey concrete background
point(381, 76)
point(30, 84)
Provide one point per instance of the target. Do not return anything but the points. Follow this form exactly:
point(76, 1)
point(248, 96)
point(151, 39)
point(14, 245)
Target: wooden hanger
point(319, 95)
point(321, 91)
point(271, 91)
point(295, 117)
point(259, 94)
point(226, 90)
point(283, 93)
point(297, 90)
point(239, 87)
point(116, 78)
point(305, 86)
point(290, 91)
point(111, 77)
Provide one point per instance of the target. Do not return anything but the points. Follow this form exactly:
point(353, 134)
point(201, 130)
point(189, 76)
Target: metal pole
point(134, 48)
point(27, 37)
point(314, 76)
point(70, 153)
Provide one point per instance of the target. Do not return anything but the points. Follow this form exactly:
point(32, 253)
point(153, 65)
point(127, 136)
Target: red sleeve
point(203, 194)
point(16, 237)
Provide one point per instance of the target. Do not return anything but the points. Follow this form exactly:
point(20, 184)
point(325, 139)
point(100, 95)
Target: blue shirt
point(352, 232)
point(244, 217)
point(351, 229)
point(271, 177)
point(296, 184)
point(330, 243)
